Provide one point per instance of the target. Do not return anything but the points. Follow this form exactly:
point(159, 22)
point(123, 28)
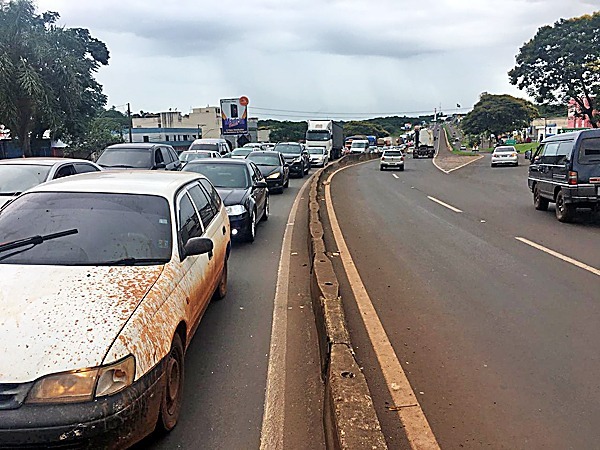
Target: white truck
point(328, 134)
point(424, 143)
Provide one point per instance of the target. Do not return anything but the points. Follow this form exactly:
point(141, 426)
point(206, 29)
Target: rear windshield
point(104, 229)
point(392, 153)
point(316, 150)
point(264, 160)
point(17, 178)
point(134, 158)
point(212, 147)
point(293, 149)
point(234, 176)
point(589, 151)
point(185, 156)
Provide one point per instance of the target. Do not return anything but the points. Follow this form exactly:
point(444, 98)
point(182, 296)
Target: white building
point(206, 121)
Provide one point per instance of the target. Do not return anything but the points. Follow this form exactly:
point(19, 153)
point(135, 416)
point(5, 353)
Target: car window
point(65, 171)
point(563, 152)
point(158, 157)
point(173, 154)
point(550, 149)
point(85, 168)
point(589, 151)
point(257, 175)
point(108, 228)
point(189, 223)
point(138, 158)
point(16, 178)
point(203, 204)
point(214, 196)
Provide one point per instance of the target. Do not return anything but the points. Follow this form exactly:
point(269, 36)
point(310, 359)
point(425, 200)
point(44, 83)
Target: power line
point(324, 113)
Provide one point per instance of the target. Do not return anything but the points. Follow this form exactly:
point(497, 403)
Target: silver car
point(392, 158)
point(505, 154)
point(318, 156)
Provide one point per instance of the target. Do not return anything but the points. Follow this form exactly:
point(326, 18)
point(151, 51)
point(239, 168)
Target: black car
point(565, 169)
point(296, 156)
point(140, 156)
point(243, 190)
point(273, 167)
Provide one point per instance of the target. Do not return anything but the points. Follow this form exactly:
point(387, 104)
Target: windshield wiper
point(35, 240)
point(130, 261)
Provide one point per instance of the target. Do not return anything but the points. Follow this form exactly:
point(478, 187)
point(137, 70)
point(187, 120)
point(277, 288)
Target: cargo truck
point(424, 143)
point(328, 134)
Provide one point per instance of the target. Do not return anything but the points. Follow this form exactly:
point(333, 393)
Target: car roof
point(147, 182)
point(264, 152)
point(147, 145)
point(199, 151)
point(573, 135)
point(209, 141)
point(41, 161)
point(225, 161)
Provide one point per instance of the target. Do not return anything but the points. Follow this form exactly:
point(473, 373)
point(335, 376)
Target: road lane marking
point(450, 207)
point(416, 426)
point(271, 436)
point(449, 146)
point(395, 176)
point(559, 256)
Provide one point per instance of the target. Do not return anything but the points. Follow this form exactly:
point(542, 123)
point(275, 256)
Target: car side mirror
point(160, 165)
point(198, 246)
point(260, 185)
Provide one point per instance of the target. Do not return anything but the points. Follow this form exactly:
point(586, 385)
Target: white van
point(359, 146)
point(215, 145)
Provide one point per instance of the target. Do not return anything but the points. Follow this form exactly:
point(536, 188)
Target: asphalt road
point(498, 339)
point(227, 361)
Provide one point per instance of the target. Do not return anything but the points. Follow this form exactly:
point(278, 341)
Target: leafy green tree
point(364, 127)
point(105, 129)
point(46, 74)
point(562, 63)
point(285, 131)
point(498, 114)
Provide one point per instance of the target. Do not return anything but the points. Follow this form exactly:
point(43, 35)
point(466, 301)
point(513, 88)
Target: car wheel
point(266, 212)
point(251, 233)
point(381, 168)
point(401, 168)
point(517, 164)
point(170, 405)
point(221, 291)
point(564, 211)
point(492, 165)
point(540, 203)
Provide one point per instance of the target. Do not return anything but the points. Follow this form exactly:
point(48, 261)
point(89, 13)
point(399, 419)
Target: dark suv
point(296, 156)
point(140, 156)
point(565, 169)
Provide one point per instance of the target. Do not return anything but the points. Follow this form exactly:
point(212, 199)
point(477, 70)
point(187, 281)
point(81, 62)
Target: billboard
point(234, 115)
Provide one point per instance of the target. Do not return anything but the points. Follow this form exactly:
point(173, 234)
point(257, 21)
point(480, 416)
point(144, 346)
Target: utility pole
point(130, 123)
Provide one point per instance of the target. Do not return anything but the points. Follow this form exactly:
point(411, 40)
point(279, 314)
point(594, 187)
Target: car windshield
point(223, 175)
point(110, 229)
point(205, 146)
point(241, 151)
point(292, 149)
point(17, 178)
point(135, 158)
point(392, 153)
point(190, 156)
point(312, 135)
point(359, 144)
point(316, 150)
point(264, 160)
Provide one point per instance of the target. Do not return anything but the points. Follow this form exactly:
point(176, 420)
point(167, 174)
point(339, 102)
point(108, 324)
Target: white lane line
point(395, 176)
point(418, 431)
point(449, 146)
point(271, 436)
point(559, 256)
point(450, 207)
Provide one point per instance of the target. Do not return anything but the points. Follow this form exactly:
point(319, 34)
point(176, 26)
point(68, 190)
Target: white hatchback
point(391, 158)
point(105, 277)
point(505, 155)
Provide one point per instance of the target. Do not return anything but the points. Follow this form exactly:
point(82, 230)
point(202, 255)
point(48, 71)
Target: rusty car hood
point(57, 318)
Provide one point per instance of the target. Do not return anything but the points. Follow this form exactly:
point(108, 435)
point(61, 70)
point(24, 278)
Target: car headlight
point(274, 176)
point(84, 385)
point(235, 210)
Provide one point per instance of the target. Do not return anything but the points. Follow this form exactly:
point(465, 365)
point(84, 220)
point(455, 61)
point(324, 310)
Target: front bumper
point(239, 225)
point(113, 422)
point(317, 162)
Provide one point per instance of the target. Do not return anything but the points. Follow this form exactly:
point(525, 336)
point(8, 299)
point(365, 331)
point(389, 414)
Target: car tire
point(540, 203)
point(381, 168)
point(266, 211)
point(170, 405)
point(564, 211)
point(251, 232)
point(492, 165)
point(401, 168)
point(221, 290)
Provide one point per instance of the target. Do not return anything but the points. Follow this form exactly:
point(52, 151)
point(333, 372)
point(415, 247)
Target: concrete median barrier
point(349, 415)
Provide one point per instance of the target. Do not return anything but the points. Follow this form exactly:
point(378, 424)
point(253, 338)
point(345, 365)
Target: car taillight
point(572, 178)
point(513, 154)
point(402, 158)
point(383, 158)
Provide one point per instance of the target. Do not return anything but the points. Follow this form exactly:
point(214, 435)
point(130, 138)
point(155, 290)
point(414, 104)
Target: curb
point(349, 415)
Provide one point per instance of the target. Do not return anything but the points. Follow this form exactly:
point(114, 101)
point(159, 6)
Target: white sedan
point(505, 155)
point(105, 277)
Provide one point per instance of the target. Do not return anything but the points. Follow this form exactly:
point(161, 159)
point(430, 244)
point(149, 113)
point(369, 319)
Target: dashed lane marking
point(559, 256)
point(446, 205)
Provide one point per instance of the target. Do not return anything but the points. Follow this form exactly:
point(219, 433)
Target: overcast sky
point(329, 58)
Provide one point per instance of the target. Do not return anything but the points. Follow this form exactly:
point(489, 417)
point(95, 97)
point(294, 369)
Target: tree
point(284, 131)
point(105, 129)
point(561, 63)
point(498, 114)
point(364, 127)
point(46, 74)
